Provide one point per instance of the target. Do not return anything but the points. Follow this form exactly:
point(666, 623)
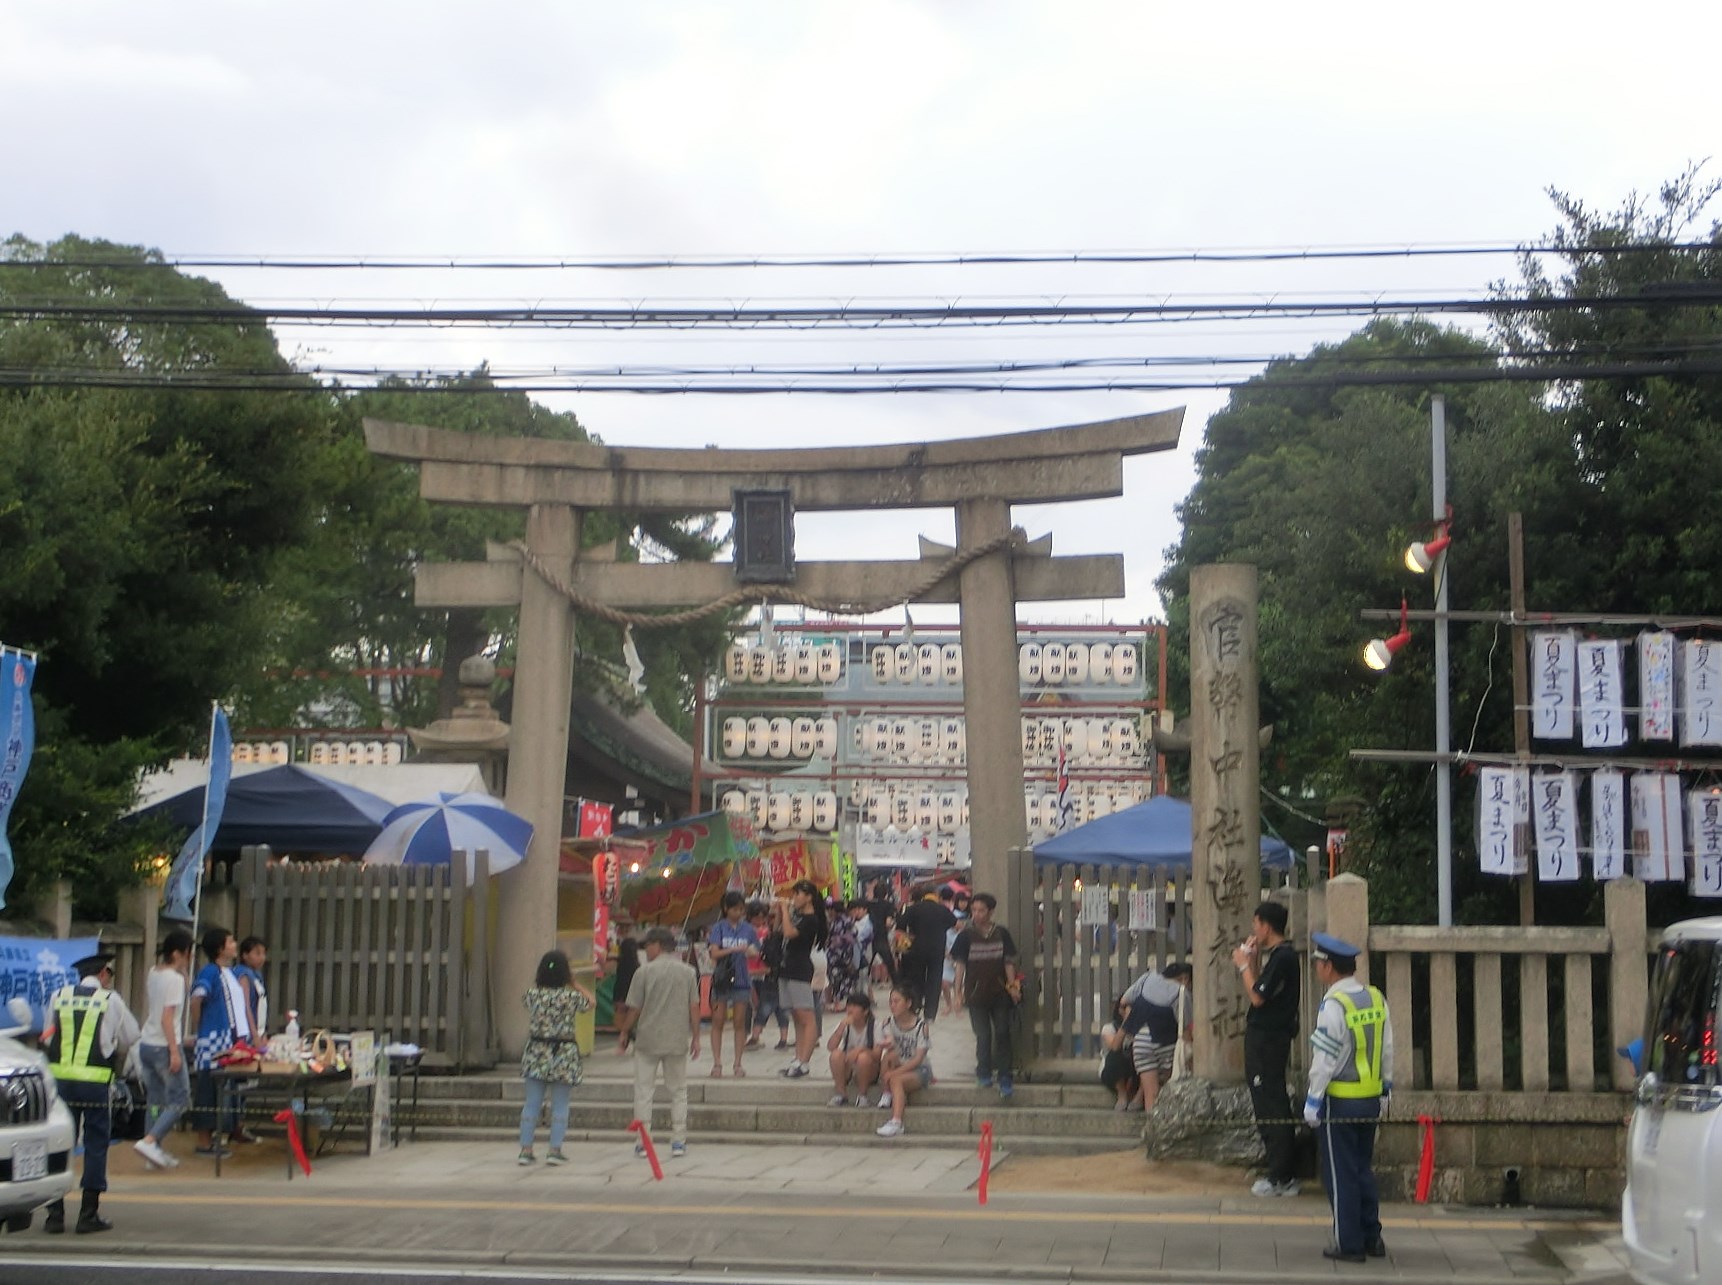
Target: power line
point(895, 259)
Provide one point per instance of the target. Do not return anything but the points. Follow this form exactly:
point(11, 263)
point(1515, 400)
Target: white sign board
point(1554, 809)
point(1554, 660)
point(1608, 814)
point(1601, 703)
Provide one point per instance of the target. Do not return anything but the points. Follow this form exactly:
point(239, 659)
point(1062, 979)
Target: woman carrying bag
point(551, 1063)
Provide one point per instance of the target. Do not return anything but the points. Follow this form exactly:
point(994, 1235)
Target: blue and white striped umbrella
point(430, 832)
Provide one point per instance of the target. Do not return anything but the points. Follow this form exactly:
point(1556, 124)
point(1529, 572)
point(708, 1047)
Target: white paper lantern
point(965, 809)
point(783, 664)
point(1028, 664)
point(735, 663)
point(1126, 740)
point(950, 811)
point(951, 664)
point(1075, 663)
point(1032, 809)
point(1075, 735)
point(1102, 744)
point(1100, 662)
point(758, 737)
point(926, 809)
point(903, 668)
point(734, 737)
point(927, 664)
point(734, 801)
point(779, 738)
point(877, 809)
point(800, 810)
point(927, 730)
point(355, 751)
point(1052, 663)
point(828, 667)
point(902, 738)
point(825, 738)
point(951, 740)
point(806, 663)
point(391, 755)
point(825, 811)
point(946, 851)
point(1030, 741)
point(759, 664)
point(902, 811)
point(756, 808)
point(884, 664)
point(801, 738)
point(879, 737)
point(858, 792)
point(1048, 734)
point(1124, 668)
point(319, 752)
point(777, 811)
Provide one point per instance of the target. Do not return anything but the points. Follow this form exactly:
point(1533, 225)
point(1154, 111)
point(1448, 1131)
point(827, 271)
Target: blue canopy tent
point(1155, 833)
point(289, 808)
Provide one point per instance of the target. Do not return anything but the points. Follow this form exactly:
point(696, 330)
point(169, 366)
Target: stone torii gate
point(556, 481)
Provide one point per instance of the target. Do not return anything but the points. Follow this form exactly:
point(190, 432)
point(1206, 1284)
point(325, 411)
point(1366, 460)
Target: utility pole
point(1443, 718)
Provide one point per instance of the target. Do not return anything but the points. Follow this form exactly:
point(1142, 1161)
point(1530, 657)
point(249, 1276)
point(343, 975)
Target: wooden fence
point(401, 950)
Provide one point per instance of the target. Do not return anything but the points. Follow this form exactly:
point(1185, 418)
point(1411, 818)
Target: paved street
point(434, 1211)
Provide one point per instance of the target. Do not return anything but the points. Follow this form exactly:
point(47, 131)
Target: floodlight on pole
point(1378, 653)
point(1423, 555)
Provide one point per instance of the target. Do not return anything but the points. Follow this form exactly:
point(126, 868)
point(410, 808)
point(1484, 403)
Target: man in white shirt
point(662, 1018)
point(88, 1032)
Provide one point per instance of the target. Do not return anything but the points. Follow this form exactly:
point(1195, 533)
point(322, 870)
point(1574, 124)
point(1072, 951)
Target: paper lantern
point(903, 663)
point(1052, 663)
point(1075, 663)
point(759, 664)
point(1102, 744)
point(901, 738)
point(734, 801)
point(319, 752)
point(1030, 746)
point(801, 738)
point(926, 809)
point(1028, 664)
point(879, 737)
point(1100, 662)
point(756, 808)
point(778, 738)
point(902, 811)
point(951, 664)
point(1126, 739)
point(758, 737)
point(391, 753)
point(884, 664)
point(1032, 810)
point(800, 810)
point(1075, 736)
point(951, 740)
point(828, 666)
point(927, 730)
point(734, 742)
point(1047, 736)
point(825, 738)
point(825, 811)
point(950, 811)
point(777, 811)
point(735, 663)
point(877, 808)
point(783, 664)
point(1124, 669)
point(806, 663)
point(927, 664)
point(946, 851)
point(355, 751)
point(965, 809)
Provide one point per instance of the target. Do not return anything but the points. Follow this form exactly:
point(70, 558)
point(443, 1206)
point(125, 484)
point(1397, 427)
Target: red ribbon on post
point(1426, 1161)
point(636, 1126)
point(986, 1153)
point(294, 1141)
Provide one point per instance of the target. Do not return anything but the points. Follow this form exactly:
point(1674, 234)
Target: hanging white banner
point(1554, 808)
point(1658, 853)
point(1602, 709)
point(1704, 811)
point(1656, 686)
point(1145, 910)
point(1553, 667)
point(1496, 817)
point(1608, 824)
point(1096, 906)
point(1701, 692)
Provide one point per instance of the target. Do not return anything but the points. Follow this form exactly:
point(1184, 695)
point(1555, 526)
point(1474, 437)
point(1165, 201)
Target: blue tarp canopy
point(289, 808)
point(1155, 833)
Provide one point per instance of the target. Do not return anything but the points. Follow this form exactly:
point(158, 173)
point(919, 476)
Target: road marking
point(845, 1212)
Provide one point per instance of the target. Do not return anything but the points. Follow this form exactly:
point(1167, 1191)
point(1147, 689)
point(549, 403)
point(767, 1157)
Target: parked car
point(35, 1127)
point(1671, 1215)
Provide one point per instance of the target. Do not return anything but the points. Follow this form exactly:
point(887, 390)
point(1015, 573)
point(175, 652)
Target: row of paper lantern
point(800, 663)
point(319, 752)
point(915, 807)
point(1050, 664)
point(1107, 741)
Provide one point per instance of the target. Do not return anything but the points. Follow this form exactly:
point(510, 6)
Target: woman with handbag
point(733, 942)
point(551, 1063)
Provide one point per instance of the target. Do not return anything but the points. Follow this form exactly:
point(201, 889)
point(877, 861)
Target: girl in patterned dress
point(551, 1063)
point(842, 970)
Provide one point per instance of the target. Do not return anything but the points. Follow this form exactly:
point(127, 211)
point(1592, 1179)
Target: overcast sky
point(561, 129)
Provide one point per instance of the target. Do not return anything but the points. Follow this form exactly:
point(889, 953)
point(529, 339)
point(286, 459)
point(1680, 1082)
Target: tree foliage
point(1321, 486)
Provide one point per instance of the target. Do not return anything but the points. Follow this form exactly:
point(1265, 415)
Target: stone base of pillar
point(1196, 1119)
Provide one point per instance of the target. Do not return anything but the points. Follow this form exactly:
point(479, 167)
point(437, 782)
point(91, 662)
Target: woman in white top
point(160, 1049)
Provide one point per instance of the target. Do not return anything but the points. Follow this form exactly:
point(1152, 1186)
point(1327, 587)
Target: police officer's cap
point(1327, 946)
point(90, 965)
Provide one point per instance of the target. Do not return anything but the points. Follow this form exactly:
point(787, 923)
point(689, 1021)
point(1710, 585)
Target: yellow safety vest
point(1366, 1024)
point(77, 1029)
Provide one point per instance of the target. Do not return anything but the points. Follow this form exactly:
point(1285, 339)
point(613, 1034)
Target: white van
point(1671, 1215)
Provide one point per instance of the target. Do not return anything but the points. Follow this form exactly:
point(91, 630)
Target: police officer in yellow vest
point(1350, 1080)
point(88, 1031)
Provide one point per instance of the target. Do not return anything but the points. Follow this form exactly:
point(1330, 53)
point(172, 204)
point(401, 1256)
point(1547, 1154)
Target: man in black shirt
point(879, 910)
point(923, 963)
point(1267, 962)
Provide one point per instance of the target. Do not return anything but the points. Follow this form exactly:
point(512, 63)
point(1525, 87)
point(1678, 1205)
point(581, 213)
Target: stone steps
point(1022, 1145)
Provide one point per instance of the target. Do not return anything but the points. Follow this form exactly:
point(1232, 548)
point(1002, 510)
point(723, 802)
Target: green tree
point(142, 527)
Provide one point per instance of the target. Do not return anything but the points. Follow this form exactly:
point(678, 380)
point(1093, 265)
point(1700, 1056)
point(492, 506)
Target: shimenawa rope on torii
point(1016, 540)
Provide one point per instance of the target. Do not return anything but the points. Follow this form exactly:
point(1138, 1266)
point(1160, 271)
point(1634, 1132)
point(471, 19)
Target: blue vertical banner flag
point(18, 724)
point(186, 875)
